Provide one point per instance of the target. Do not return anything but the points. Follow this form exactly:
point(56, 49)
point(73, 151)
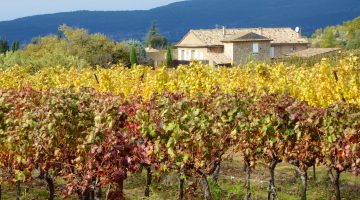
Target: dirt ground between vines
point(231, 185)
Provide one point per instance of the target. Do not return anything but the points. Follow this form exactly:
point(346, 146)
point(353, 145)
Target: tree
point(4, 46)
point(15, 46)
point(352, 27)
point(140, 50)
point(169, 58)
point(328, 38)
point(133, 57)
point(154, 39)
point(355, 42)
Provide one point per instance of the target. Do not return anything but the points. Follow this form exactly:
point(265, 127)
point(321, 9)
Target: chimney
point(298, 31)
point(261, 31)
point(224, 30)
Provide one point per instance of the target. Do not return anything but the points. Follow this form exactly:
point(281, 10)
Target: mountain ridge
point(177, 18)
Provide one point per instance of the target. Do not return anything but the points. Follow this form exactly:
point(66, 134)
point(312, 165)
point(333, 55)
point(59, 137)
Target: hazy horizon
point(11, 9)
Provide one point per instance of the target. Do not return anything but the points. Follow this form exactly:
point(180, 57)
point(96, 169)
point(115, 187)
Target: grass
point(230, 185)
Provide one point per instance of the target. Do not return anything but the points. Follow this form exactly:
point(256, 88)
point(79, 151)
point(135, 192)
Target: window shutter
point(255, 47)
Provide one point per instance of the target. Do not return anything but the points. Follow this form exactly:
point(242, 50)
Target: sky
point(12, 9)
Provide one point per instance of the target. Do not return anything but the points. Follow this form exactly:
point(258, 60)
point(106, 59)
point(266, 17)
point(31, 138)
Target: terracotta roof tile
point(220, 58)
point(312, 52)
point(213, 37)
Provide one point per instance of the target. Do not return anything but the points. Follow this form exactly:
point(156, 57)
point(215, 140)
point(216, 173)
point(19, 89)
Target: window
point(201, 56)
point(182, 55)
point(293, 49)
point(272, 52)
point(255, 47)
point(192, 54)
point(196, 55)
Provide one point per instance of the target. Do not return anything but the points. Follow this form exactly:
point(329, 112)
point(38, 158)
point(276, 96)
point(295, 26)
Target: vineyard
point(94, 128)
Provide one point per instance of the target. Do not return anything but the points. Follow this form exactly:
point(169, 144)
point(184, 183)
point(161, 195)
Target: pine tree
point(153, 31)
point(133, 57)
point(169, 58)
point(154, 39)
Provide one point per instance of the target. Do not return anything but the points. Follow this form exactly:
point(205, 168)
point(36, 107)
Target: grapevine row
point(92, 140)
point(321, 85)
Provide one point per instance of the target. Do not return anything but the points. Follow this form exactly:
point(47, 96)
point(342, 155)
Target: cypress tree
point(169, 58)
point(133, 57)
point(1, 46)
point(15, 46)
point(4, 46)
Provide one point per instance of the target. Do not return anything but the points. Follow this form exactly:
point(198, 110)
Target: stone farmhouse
point(237, 46)
point(234, 47)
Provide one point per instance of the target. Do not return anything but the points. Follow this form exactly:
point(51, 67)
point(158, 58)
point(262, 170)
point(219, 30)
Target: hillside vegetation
point(346, 35)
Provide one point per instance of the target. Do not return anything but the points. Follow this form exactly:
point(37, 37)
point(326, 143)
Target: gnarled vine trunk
point(181, 188)
point(148, 180)
point(304, 181)
point(314, 172)
point(120, 187)
point(85, 195)
point(337, 184)
point(216, 173)
point(51, 186)
point(335, 181)
point(205, 185)
point(247, 183)
point(18, 190)
point(97, 190)
point(272, 189)
point(108, 192)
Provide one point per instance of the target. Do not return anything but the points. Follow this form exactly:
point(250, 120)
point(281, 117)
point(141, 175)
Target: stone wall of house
point(283, 49)
point(229, 50)
point(243, 52)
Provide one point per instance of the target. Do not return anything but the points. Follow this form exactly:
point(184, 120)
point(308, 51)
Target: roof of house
point(219, 58)
point(312, 52)
point(214, 37)
point(246, 37)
